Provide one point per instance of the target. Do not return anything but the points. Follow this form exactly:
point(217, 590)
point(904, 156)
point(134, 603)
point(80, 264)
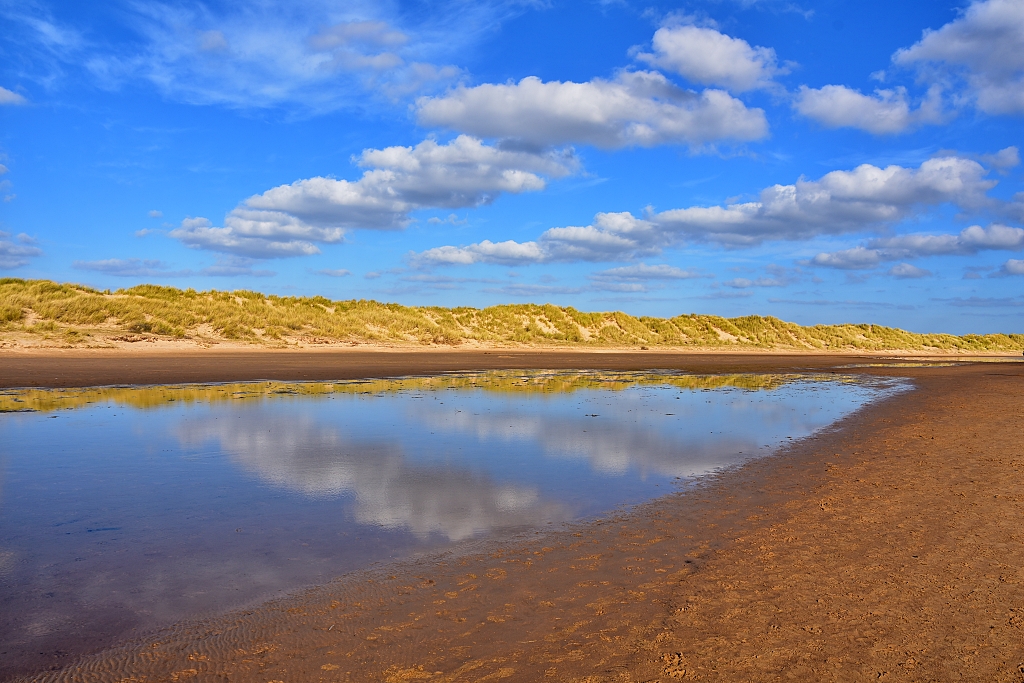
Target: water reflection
point(127, 508)
point(301, 455)
point(497, 382)
point(609, 446)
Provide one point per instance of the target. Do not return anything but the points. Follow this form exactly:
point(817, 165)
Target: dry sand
point(890, 547)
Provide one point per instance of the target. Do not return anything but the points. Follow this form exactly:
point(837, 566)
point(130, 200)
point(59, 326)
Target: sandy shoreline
point(888, 547)
point(80, 368)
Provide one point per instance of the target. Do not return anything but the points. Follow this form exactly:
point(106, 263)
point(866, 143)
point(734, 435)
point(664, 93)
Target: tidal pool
point(123, 509)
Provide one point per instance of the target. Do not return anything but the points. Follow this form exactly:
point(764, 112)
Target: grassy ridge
point(72, 314)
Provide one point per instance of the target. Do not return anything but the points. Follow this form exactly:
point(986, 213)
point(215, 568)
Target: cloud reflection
point(639, 433)
point(609, 445)
point(300, 455)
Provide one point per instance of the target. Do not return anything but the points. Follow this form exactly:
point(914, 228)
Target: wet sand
point(81, 368)
point(890, 547)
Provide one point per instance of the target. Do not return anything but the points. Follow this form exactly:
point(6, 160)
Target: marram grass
point(74, 314)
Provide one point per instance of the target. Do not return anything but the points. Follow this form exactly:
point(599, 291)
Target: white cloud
point(8, 97)
point(335, 272)
point(290, 220)
point(886, 112)
point(241, 236)
point(612, 237)
point(508, 252)
point(708, 57)
point(312, 55)
point(156, 214)
point(16, 252)
point(968, 241)
point(840, 202)
point(984, 46)
point(866, 198)
point(1004, 159)
point(637, 108)
point(1013, 267)
point(906, 271)
point(452, 219)
point(857, 258)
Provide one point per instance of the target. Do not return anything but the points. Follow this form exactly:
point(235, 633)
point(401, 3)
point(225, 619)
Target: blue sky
point(822, 162)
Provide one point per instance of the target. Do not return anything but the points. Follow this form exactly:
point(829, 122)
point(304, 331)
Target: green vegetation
point(497, 381)
point(73, 315)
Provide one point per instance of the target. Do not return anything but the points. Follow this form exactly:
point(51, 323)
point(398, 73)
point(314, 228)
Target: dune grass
point(73, 315)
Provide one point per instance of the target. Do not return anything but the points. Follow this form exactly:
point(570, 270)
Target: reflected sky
point(126, 509)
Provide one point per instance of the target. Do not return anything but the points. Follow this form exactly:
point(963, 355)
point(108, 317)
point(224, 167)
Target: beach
point(885, 547)
point(75, 367)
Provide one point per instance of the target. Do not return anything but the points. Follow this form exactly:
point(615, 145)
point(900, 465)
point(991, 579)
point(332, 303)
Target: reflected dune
point(497, 381)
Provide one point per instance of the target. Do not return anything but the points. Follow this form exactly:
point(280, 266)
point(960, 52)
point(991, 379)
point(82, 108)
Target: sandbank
point(53, 368)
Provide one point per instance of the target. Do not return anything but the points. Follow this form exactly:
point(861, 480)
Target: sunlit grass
point(73, 315)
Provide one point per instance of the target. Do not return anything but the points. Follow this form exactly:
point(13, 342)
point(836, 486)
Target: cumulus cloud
point(16, 251)
point(968, 241)
point(857, 258)
point(906, 271)
point(611, 237)
point(242, 235)
point(866, 198)
point(637, 108)
point(509, 252)
point(840, 202)
point(9, 97)
point(1013, 267)
point(984, 47)
point(290, 220)
point(885, 112)
point(708, 57)
point(1004, 159)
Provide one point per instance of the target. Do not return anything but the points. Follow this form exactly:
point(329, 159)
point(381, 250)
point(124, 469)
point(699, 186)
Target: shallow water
point(124, 509)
